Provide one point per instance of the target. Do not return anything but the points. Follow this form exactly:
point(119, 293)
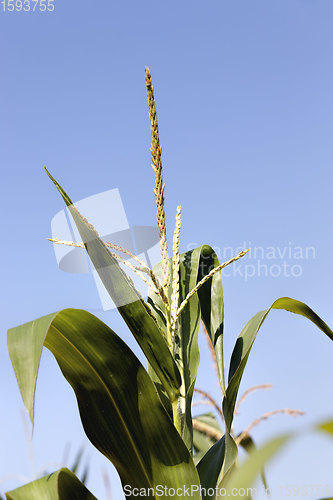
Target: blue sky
point(244, 99)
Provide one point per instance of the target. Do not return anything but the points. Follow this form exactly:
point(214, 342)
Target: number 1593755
point(27, 5)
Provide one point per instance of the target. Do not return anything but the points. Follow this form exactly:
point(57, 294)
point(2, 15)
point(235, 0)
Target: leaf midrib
point(136, 451)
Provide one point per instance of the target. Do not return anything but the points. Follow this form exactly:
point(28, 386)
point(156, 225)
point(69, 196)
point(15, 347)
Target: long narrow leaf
point(209, 469)
point(248, 445)
point(245, 342)
point(207, 305)
point(120, 410)
point(211, 303)
point(240, 356)
point(129, 303)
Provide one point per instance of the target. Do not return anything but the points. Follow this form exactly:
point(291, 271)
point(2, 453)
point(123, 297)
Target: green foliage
point(141, 419)
point(130, 305)
point(240, 356)
point(119, 408)
point(207, 306)
point(243, 477)
point(59, 485)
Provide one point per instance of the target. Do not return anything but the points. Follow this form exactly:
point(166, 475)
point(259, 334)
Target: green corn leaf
point(245, 342)
point(207, 305)
point(119, 407)
point(129, 303)
point(196, 458)
point(211, 303)
point(248, 445)
point(186, 346)
point(60, 485)
point(211, 464)
point(242, 478)
point(209, 468)
point(230, 456)
point(240, 356)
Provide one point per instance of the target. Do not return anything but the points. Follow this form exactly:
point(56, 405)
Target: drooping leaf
point(128, 301)
point(119, 407)
point(245, 342)
point(60, 485)
point(240, 356)
point(25, 344)
point(242, 478)
point(248, 445)
point(207, 305)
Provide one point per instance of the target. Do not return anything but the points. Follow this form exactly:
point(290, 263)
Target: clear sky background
point(244, 98)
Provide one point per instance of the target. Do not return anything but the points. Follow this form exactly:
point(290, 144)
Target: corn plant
point(140, 418)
